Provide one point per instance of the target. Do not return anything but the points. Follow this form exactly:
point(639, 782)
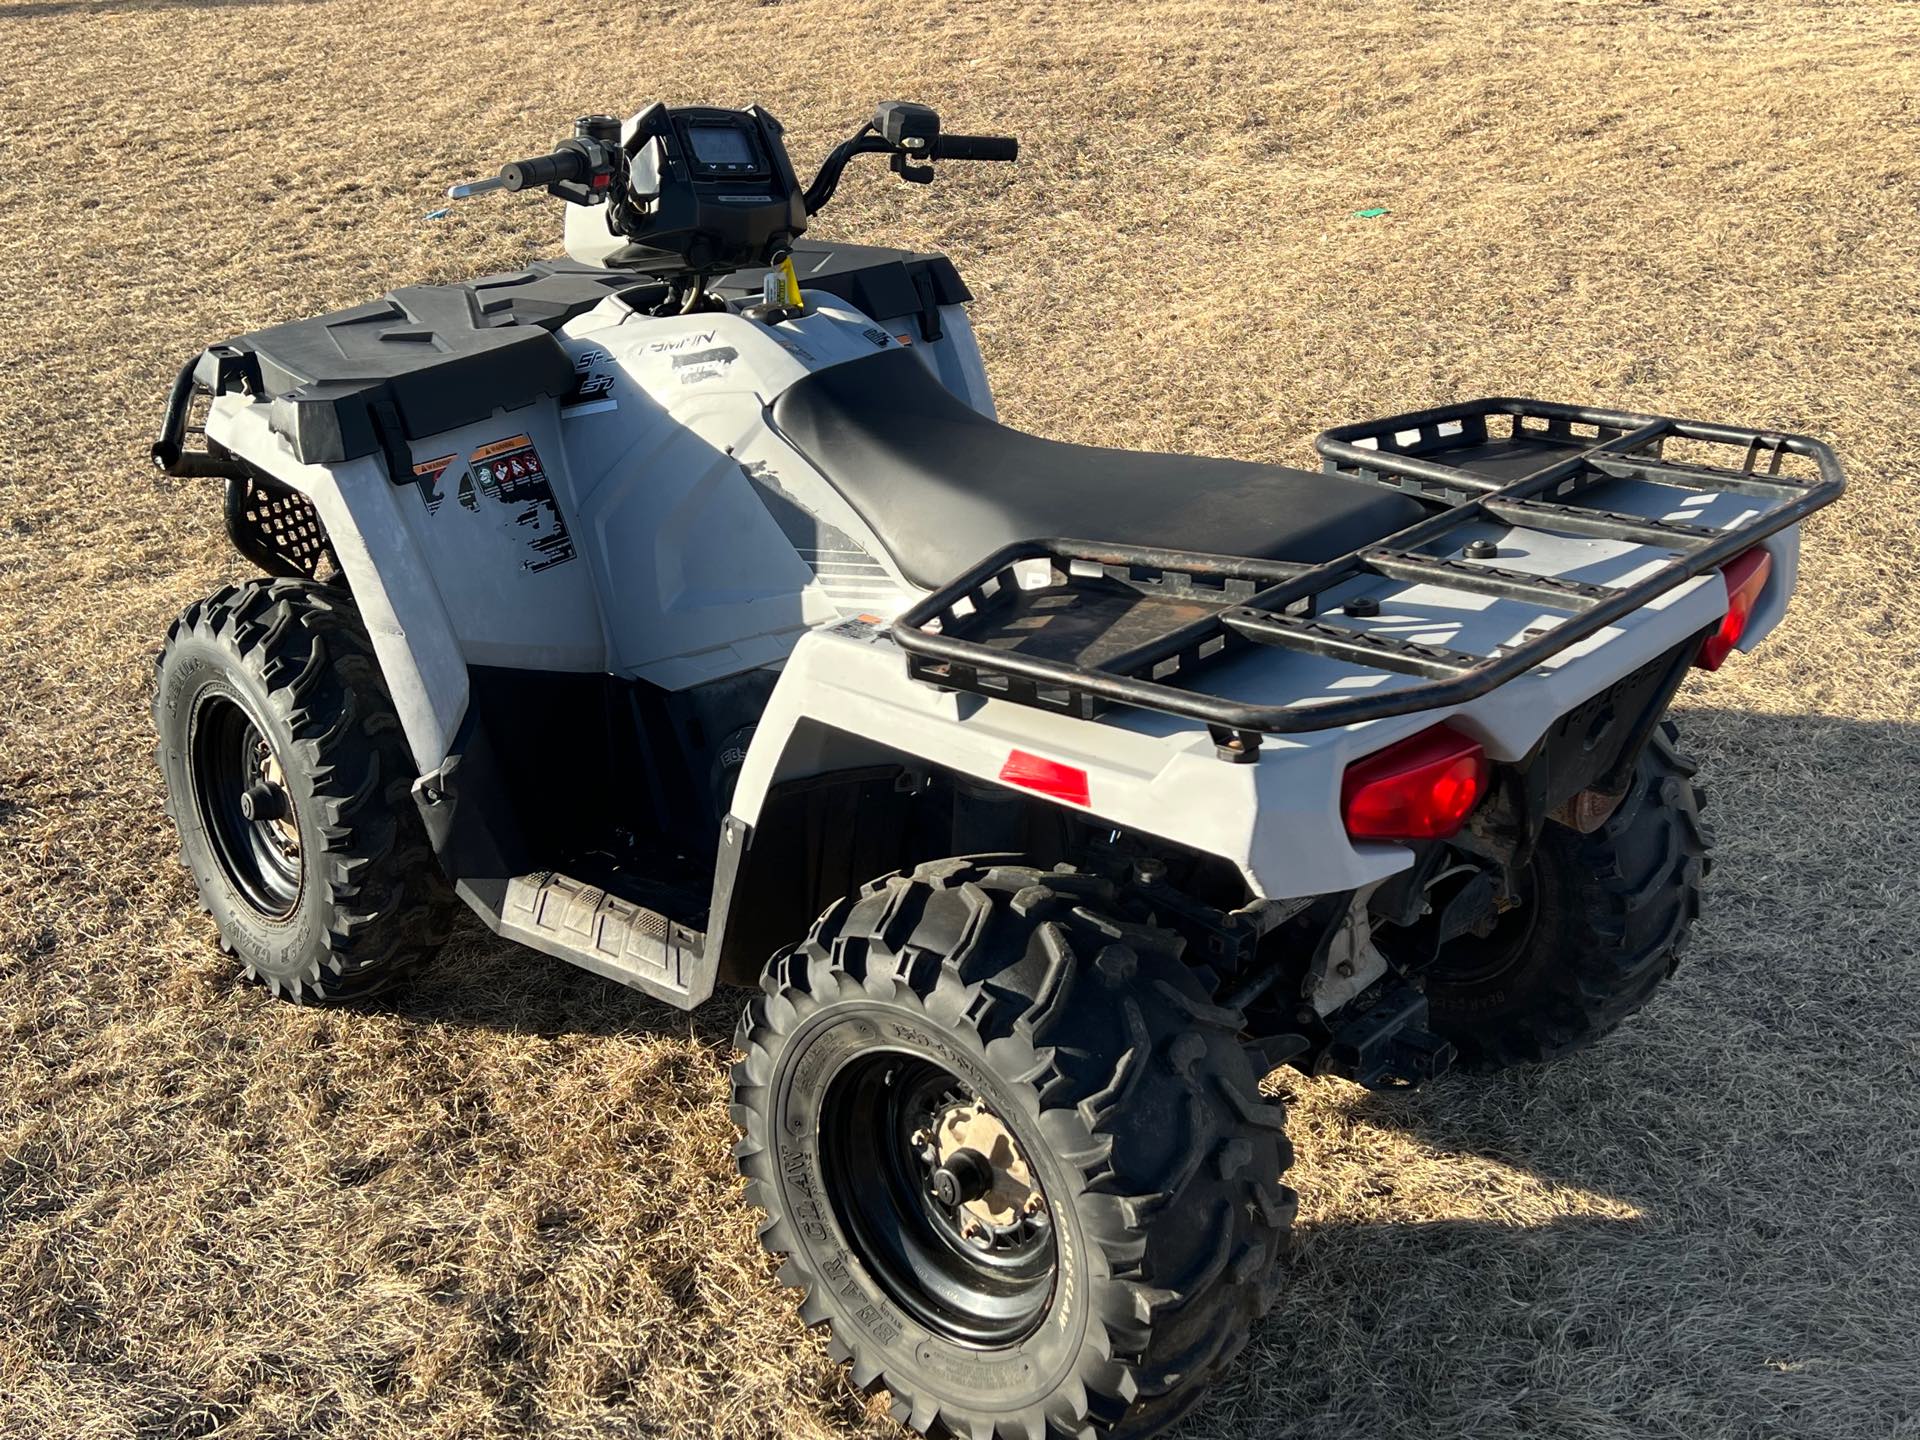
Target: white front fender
point(413, 636)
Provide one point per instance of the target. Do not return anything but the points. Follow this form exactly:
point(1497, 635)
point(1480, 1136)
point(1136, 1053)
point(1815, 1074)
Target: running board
point(581, 923)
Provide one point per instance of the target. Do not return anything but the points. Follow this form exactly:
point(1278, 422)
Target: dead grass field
point(502, 1205)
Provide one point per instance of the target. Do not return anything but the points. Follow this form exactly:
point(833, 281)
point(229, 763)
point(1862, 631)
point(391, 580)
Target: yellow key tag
point(789, 285)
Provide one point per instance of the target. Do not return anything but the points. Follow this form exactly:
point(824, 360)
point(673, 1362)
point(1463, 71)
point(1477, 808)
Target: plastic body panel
point(697, 575)
point(409, 623)
point(500, 557)
point(650, 523)
point(844, 699)
point(424, 358)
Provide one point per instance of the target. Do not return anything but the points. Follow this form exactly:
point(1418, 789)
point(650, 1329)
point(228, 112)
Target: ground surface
point(503, 1205)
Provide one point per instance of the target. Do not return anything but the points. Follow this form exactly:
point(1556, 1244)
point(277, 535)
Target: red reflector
point(1049, 777)
point(1420, 789)
point(1746, 576)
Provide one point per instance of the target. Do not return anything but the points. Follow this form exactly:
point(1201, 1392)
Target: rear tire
point(290, 783)
point(1114, 1080)
point(1602, 922)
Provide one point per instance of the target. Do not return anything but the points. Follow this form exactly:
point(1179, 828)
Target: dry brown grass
point(503, 1205)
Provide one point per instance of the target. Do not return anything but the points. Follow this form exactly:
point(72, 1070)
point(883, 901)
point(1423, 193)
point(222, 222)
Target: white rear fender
point(1771, 608)
point(844, 700)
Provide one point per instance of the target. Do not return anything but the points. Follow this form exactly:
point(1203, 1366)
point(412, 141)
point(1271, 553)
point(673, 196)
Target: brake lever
point(468, 188)
point(917, 174)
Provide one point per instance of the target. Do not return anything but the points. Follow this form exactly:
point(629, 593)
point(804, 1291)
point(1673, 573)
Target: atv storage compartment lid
point(427, 357)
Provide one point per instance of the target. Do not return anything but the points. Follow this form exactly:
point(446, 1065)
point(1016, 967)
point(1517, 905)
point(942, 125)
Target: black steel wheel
point(290, 783)
point(240, 797)
point(1012, 1154)
point(957, 1233)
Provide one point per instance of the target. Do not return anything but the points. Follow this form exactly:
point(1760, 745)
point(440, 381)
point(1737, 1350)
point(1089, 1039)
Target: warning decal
point(509, 471)
point(427, 475)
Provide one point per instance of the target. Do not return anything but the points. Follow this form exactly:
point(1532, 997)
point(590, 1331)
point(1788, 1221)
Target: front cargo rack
point(1131, 625)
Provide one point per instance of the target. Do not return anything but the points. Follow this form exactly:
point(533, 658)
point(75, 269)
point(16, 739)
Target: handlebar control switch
point(906, 126)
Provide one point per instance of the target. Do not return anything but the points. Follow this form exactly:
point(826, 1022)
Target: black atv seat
point(944, 487)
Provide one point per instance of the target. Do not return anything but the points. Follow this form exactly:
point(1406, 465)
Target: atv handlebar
point(976, 147)
point(868, 141)
point(565, 163)
point(584, 169)
point(579, 169)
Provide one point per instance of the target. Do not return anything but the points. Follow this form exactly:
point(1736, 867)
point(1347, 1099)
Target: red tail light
point(1746, 575)
point(1420, 789)
point(1048, 777)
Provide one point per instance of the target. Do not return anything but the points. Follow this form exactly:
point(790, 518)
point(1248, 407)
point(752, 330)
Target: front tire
point(1602, 921)
point(290, 783)
point(1133, 1210)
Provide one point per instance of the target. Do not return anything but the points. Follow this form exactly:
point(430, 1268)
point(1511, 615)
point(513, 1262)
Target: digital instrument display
point(721, 145)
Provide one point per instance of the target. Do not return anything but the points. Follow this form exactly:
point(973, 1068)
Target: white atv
point(684, 611)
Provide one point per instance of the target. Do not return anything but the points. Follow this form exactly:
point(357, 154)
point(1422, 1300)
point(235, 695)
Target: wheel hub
point(266, 801)
point(978, 1171)
point(937, 1198)
point(240, 790)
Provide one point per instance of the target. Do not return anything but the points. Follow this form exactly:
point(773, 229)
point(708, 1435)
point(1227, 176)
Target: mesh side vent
point(278, 528)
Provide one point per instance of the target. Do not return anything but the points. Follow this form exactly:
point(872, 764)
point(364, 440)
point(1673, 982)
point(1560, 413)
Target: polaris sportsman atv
point(683, 610)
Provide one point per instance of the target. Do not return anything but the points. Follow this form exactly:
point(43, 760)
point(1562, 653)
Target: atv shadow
point(1700, 1226)
point(480, 981)
point(1810, 913)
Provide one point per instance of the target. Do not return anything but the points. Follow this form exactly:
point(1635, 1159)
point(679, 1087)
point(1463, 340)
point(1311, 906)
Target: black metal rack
point(1129, 625)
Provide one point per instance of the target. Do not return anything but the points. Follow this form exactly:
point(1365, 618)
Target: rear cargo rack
point(1130, 625)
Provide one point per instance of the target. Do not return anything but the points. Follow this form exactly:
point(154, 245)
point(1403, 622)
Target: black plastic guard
point(440, 356)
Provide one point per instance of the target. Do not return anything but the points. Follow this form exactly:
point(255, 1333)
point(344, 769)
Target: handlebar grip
point(976, 147)
point(564, 164)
